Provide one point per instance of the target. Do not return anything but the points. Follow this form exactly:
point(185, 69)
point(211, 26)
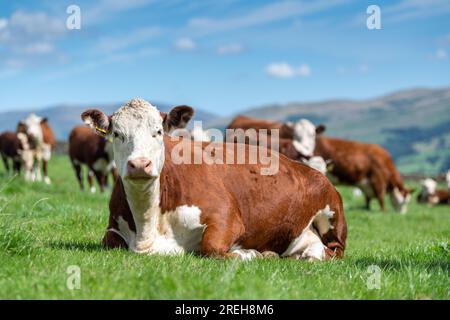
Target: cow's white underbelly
point(178, 231)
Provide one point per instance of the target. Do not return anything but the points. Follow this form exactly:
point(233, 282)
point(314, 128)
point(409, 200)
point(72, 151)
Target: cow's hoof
point(246, 254)
point(47, 180)
point(93, 190)
point(270, 255)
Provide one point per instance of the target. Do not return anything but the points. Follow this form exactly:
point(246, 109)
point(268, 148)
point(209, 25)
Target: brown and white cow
point(296, 141)
point(95, 152)
point(367, 166)
point(431, 194)
point(219, 210)
point(42, 139)
point(15, 146)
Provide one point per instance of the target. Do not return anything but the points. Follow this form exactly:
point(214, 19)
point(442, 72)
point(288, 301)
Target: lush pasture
point(45, 229)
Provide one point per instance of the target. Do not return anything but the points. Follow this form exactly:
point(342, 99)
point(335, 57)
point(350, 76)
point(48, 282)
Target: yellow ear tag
point(101, 132)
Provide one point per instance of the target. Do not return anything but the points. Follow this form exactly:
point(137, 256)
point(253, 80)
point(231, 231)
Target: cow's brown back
point(10, 144)
point(85, 146)
point(245, 123)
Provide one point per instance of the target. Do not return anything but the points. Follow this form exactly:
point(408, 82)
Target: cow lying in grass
point(431, 194)
point(219, 210)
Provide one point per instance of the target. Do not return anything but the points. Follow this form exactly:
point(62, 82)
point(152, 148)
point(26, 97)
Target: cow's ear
point(320, 129)
point(177, 118)
point(44, 120)
point(98, 121)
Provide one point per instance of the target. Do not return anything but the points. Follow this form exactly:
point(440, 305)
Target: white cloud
point(185, 44)
point(284, 70)
point(441, 54)
point(30, 33)
point(232, 48)
point(3, 23)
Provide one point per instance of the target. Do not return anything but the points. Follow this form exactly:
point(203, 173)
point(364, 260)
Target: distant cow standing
point(42, 140)
point(85, 147)
point(368, 166)
point(15, 146)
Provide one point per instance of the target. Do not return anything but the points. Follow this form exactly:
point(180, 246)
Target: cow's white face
point(428, 187)
point(137, 131)
point(34, 129)
point(400, 200)
point(304, 137)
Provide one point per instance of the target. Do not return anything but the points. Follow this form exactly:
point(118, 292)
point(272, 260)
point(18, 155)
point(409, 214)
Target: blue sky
point(220, 56)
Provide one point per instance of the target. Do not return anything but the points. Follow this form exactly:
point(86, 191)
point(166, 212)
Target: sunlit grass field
point(46, 229)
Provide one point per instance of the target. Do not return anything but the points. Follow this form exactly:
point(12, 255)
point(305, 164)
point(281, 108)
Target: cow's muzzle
point(139, 168)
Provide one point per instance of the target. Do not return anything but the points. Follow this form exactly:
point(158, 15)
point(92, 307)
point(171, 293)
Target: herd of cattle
point(220, 210)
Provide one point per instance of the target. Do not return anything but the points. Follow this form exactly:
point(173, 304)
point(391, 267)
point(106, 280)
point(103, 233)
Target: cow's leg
point(44, 169)
point(219, 238)
point(379, 188)
point(37, 171)
point(367, 201)
point(17, 165)
point(100, 177)
point(77, 167)
point(90, 178)
point(5, 162)
point(112, 240)
point(46, 155)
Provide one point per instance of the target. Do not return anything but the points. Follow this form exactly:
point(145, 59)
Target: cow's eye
point(117, 136)
point(159, 132)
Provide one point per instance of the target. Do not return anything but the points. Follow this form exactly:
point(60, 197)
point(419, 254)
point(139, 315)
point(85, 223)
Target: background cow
point(15, 147)
point(220, 210)
point(296, 141)
point(300, 135)
point(94, 151)
point(42, 140)
point(367, 166)
point(431, 195)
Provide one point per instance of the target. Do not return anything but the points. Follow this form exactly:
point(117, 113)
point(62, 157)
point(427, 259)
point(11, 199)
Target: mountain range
point(414, 124)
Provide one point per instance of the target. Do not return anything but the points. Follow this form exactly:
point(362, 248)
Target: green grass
point(45, 229)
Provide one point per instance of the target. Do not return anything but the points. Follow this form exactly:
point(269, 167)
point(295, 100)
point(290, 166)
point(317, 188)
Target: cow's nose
point(139, 168)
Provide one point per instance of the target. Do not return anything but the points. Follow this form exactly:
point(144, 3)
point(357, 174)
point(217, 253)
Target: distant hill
point(64, 117)
point(414, 125)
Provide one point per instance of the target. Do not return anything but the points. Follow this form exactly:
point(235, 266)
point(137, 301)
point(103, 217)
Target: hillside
point(64, 117)
point(414, 125)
